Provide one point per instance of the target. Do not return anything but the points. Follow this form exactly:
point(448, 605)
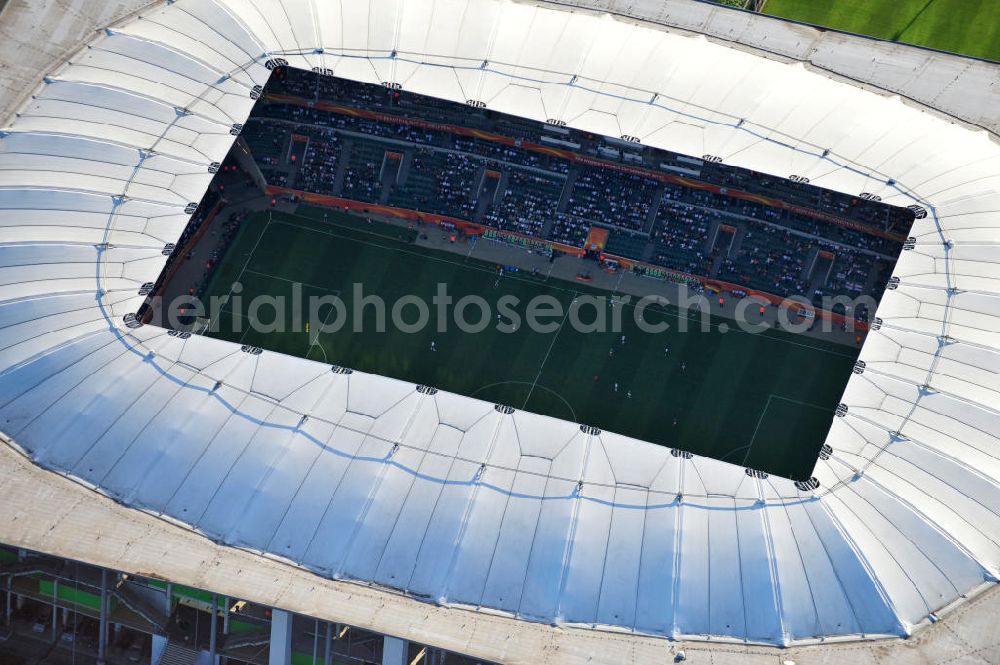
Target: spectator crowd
point(516, 187)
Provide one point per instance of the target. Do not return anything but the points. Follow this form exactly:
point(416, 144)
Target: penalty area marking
point(315, 339)
point(764, 412)
point(246, 263)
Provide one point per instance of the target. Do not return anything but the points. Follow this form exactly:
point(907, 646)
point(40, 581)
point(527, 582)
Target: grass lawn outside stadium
point(759, 400)
point(966, 27)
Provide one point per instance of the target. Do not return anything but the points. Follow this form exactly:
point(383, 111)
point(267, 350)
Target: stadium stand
point(612, 197)
point(527, 205)
point(678, 236)
point(439, 182)
point(361, 179)
point(569, 230)
point(895, 536)
point(318, 171)
point(557, 184)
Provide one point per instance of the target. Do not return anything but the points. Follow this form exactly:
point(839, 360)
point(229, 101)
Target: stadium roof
point(362, 478)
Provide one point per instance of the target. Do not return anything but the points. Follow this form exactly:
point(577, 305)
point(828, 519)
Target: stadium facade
point(434, 517)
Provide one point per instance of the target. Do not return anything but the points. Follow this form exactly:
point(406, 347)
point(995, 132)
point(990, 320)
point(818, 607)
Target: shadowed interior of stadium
point(334, 184)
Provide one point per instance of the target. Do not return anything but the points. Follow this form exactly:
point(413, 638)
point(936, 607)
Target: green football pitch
point(764, 400)
point(968, 27)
